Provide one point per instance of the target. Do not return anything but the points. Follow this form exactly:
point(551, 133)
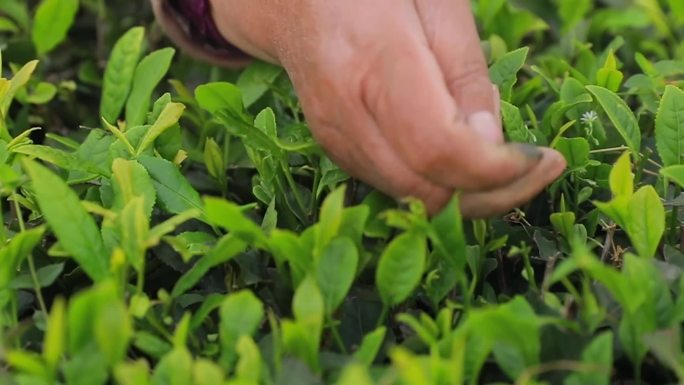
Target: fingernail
point(485, 125)
point(530, 151)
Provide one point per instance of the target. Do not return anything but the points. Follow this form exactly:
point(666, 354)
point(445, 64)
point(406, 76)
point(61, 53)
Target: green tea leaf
point(225, 250)
point(504, 73)
point(256, 79)
point(180, 335)
point(355, 375)
point(213, 159)
point(119, 73)
point(174, 369)
point(409, 367)
point(19, 81)
point(151, 345)
point(74, 227)
point(134, 228)
point(370, 346)
point(206, 372)
point(449, 236)
point(517, 346)
point(133, 373)
point(149, 72)
point(564, 223)
point(335, 272)
point(250, 365)
point(95, 150)
point(401, 267)
point(60, 158)
point(514, 126)
point(130, 181)
point(42, 93)
point(646, 221)
point(287, 247)
point(54, 341)
point(231, 217)
point(617, 210)
point(211, 303)
point(218, 96)
point(304, 337)
point(573, 12)
point(167, 119)
point(241, 315)
point(330, 219)
point(174, 192)
point(113, 331)
point(84, 309)
point(608, 76)
point(676, 9)
point(598, 353)
point(664, 344)
point(621, 178)
point(46, 276)
point(52, 22)
point(620, 115)
point(266, 122)
point(575, 151)
point(674, 173)
point(86, 368)
point(15, 252)
point(669, 127)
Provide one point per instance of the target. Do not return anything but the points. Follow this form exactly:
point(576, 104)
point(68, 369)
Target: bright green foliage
point(669, 127)
point(52, 22)
point(335, 271)
point(620, 116)
point(400, 268)
point(241, 315)
point(608, 76)
point(74, 227)
point(119, 75)
point(504, 72)
point(149, 72)
point(190, 230)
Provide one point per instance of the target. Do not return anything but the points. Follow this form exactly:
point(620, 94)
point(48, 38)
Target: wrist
point(242, 26)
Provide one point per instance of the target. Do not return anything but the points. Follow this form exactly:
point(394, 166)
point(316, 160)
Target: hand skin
point(398, 94)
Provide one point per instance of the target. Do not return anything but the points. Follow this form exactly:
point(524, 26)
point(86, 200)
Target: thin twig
point(607, 244)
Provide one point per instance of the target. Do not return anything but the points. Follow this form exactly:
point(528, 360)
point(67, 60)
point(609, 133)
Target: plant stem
point(336, 335)
point(611, 149)
point(314, 190)
point(530, 272)
point(140, 284)
point(467, 295)
point(293, 186)
point(383, 316)
point(3, 232)
point(674, 219)
point(32, 266)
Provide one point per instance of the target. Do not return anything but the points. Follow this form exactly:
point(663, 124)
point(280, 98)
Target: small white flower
point(589, 117)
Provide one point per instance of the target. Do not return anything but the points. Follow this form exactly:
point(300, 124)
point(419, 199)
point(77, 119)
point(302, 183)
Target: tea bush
point(166, 222)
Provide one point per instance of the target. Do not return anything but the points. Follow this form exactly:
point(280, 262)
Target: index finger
point(406, 94)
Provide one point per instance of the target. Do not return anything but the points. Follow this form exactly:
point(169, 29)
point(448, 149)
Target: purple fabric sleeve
point(201, 25)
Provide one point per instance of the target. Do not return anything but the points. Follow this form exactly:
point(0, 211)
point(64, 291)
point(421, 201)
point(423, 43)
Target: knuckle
point(427, 160)
point(470, 71)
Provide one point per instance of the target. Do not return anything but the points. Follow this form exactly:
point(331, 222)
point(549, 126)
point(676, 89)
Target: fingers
point(415, 112)
point(375, 163)
point(452, 36)
point(486, 204)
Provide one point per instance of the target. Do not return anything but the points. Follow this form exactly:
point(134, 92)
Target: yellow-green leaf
point(669, 126)
point(74, 227)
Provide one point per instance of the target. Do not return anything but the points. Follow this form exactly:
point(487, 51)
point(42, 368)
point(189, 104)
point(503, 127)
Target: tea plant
point(165, 222)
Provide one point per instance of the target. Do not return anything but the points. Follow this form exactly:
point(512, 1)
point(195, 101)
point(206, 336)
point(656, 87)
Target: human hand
point(397, 92)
